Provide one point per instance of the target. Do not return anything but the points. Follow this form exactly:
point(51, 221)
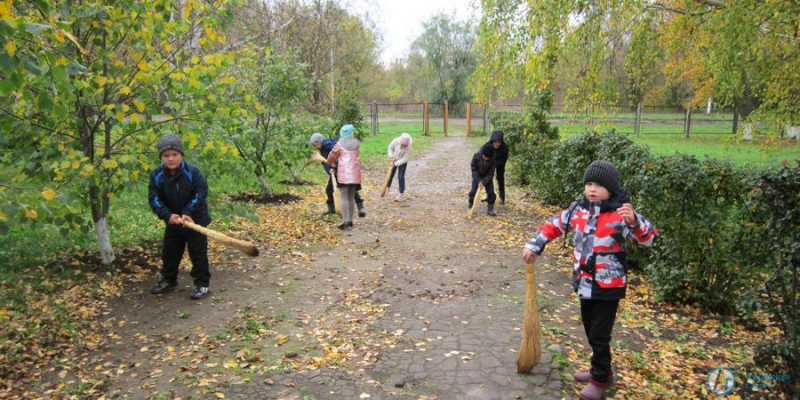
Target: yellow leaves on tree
point(11, 48)
point(5, 8)
point(110, 164)
point(31, 213)
point(49, 194)
point(139, 105)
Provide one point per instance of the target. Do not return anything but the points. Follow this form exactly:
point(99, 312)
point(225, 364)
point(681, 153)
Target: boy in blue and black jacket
point(178, 192)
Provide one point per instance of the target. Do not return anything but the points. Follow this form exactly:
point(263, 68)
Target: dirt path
point(416, 302)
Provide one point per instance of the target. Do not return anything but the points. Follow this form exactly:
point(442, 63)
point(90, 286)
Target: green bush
point(774, 206)
point(703, 252)
point(525, 134)
point(555, 169)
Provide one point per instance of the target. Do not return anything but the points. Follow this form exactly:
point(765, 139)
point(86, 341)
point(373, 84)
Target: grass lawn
point(705, 140)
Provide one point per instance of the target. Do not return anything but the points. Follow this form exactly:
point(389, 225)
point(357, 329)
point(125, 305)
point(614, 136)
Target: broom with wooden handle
point(475, 200)
point(337, 201)
point(245, 247)
point(530, 351)
point(316, 157)
point(388, 176)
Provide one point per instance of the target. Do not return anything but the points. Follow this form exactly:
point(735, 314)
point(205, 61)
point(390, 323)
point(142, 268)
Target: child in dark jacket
point(178, 192)
point(603, 220)
point(482, 166)
point(325, 146)
point(500, 158)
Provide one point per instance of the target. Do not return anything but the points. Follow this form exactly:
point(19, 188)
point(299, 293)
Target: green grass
point(373, 148)
point(714, 141)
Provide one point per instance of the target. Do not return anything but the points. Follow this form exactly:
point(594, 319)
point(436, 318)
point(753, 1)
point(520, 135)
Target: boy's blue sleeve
point(156, 204)
point(200, 193)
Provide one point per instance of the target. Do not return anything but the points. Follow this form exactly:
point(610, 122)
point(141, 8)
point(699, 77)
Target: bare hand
point(529, 256)
point(174, 219)
point(188, 218)
point(627, 213)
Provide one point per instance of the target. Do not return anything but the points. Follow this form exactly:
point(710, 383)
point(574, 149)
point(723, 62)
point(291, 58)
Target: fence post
point(446, 114)
point(374, 118)
point(687, 123)
point(638, 118)
point(469, 117)
point(425, 116)
point(486, 119)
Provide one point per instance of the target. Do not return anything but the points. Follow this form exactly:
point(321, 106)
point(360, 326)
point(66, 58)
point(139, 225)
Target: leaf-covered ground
point(317, 300)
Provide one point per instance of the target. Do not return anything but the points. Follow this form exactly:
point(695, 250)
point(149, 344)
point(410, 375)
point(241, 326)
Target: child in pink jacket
point(344, 159)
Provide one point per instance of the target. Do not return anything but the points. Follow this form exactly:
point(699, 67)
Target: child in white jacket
point(399, 153)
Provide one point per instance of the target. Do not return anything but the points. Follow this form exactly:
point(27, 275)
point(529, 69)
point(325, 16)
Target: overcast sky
point(400, 21)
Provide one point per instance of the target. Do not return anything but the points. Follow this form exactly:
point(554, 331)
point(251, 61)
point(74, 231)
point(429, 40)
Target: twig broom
point(530, 351)
point(476, 200)
point(245, 247)
point(386, 181)
point(337, 200)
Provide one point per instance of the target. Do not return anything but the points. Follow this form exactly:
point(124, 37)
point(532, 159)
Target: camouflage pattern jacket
point(600, 239)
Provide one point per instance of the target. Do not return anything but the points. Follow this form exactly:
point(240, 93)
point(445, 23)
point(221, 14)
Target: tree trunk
point(687, 125)
point(735, 121)
point(104, 241)
point(638, 118)
point(264, 182)
point(99, 205)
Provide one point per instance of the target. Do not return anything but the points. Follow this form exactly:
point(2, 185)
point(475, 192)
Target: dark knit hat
point(169, 141)
point(605, 174)
point(487, 151)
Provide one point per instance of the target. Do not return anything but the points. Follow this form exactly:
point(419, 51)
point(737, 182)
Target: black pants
point(176, 239)
point(501, 181)
point(490, 196)
point(598, 320)
point(329, 192)
point(401, 177)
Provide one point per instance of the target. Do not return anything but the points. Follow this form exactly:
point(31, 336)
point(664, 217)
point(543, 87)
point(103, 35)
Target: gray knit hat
point(605, 174)
point(316, 138)
point(169, 141)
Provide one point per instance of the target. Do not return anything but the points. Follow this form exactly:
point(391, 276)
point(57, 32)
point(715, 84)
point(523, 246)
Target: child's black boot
point(331, 210)
point(163, 286)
